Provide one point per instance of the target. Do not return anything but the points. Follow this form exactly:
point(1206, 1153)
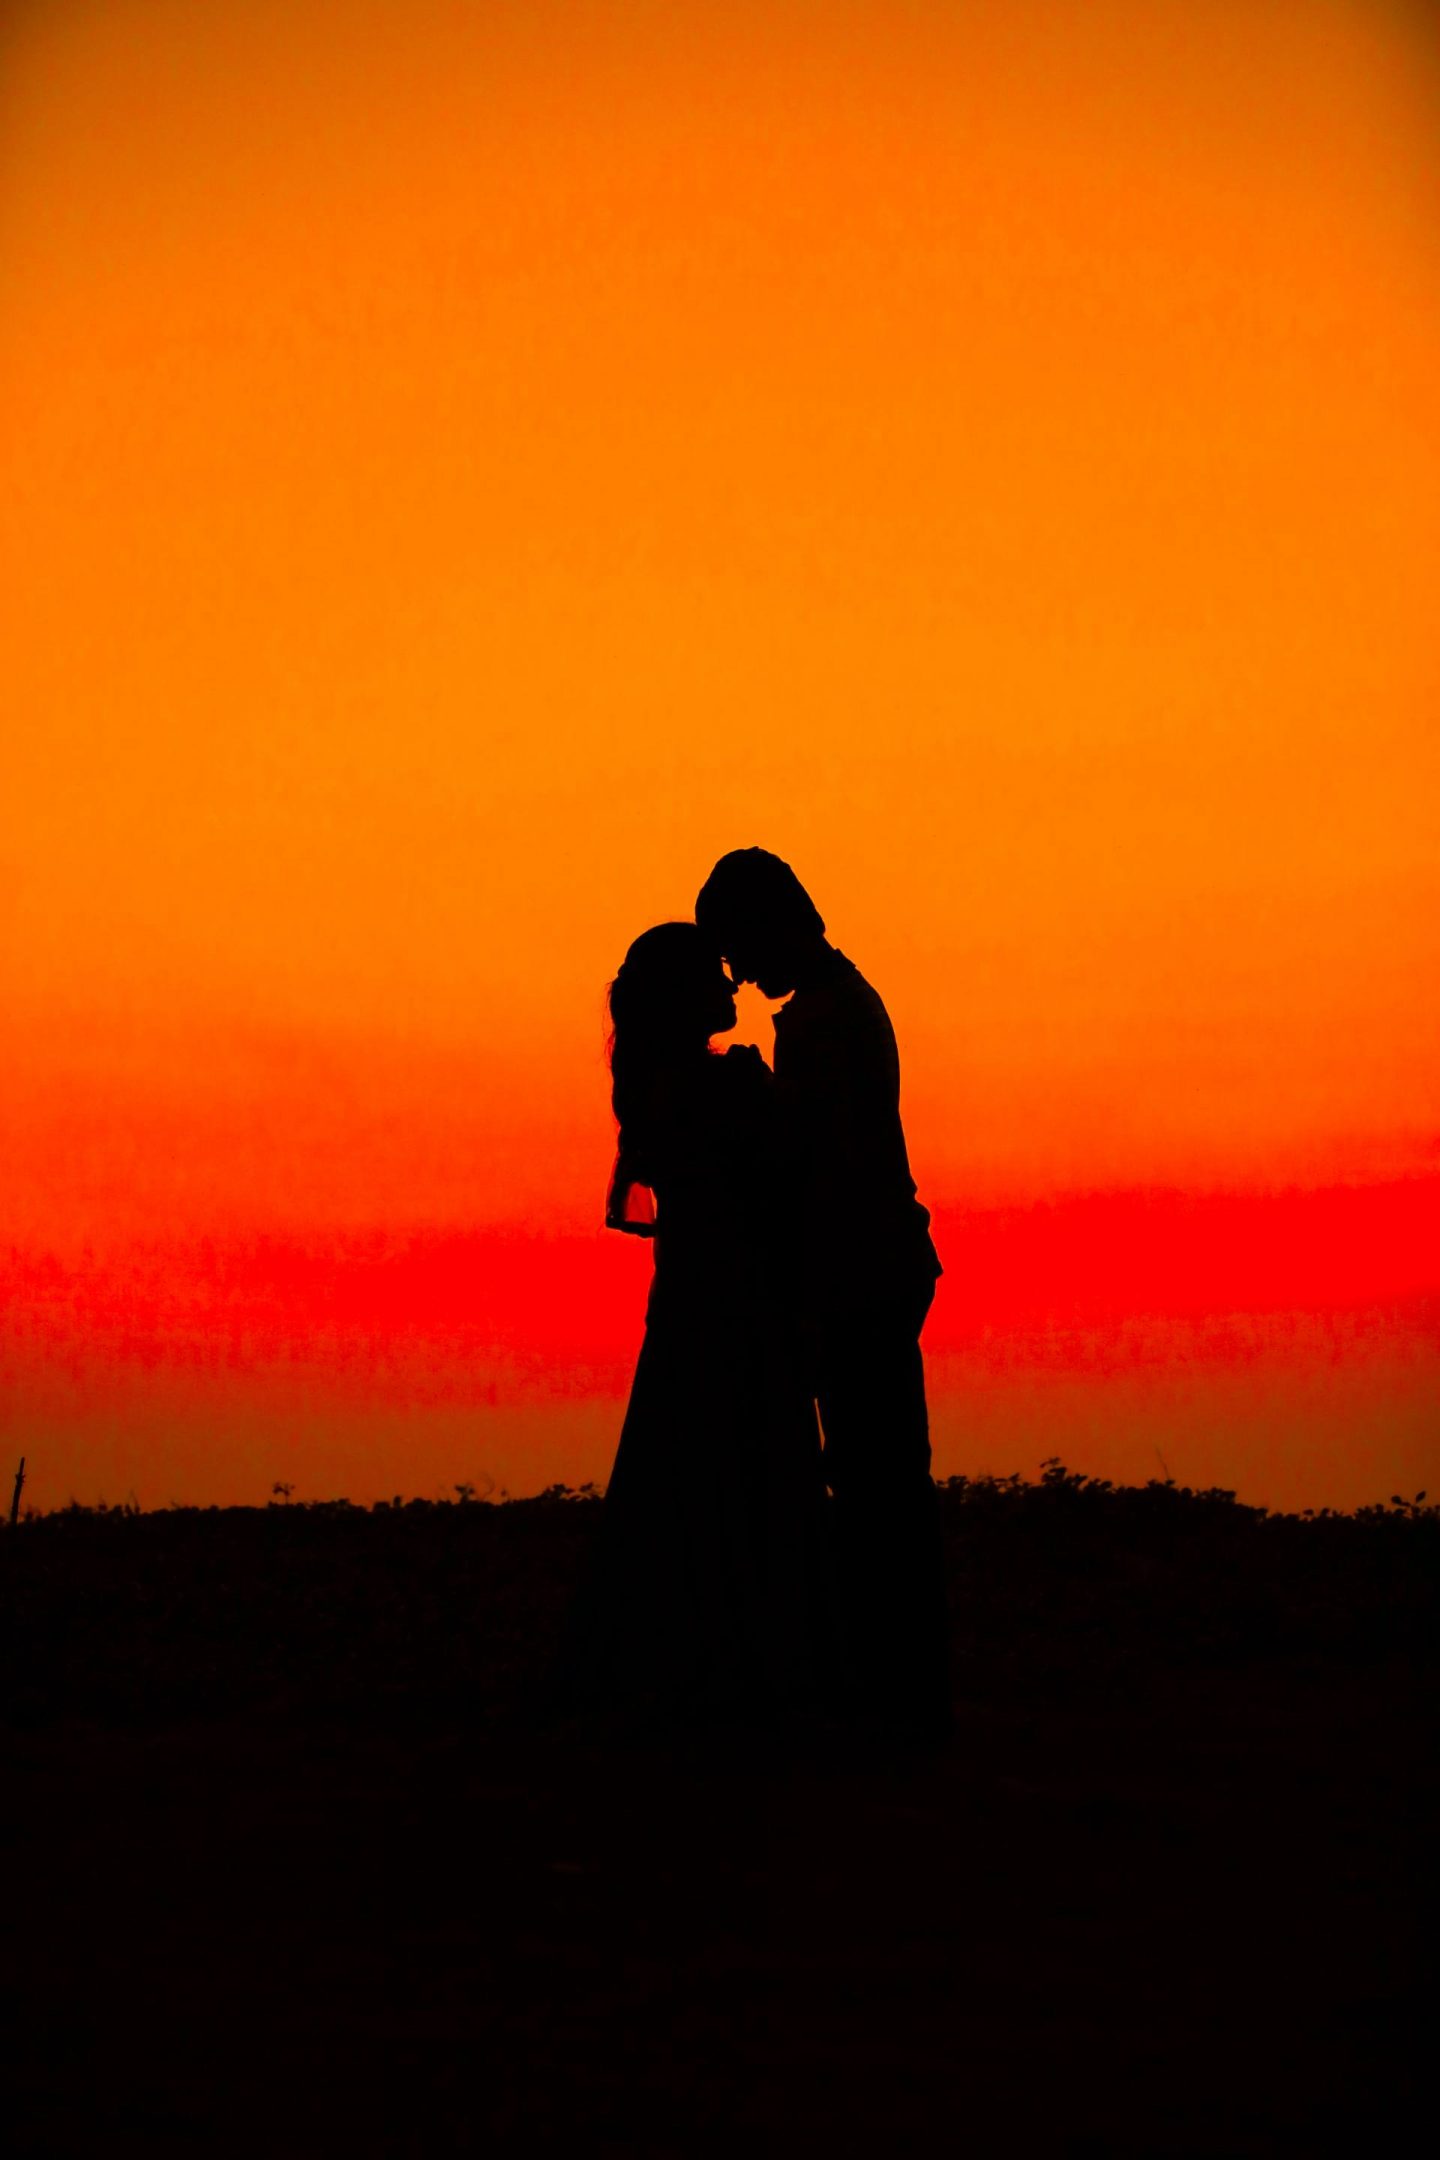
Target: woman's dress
point(705, 1595)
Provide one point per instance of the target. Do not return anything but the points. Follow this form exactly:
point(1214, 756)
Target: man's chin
point(770, 987)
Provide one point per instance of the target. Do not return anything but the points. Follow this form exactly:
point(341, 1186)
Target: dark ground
point(296, 1870)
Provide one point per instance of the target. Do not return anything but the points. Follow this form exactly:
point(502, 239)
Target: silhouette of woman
point(704, 1590)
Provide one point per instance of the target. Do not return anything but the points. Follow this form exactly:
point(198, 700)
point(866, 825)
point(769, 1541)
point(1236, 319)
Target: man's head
point(759, 914)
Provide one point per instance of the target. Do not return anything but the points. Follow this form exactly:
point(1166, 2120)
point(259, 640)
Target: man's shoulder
point(840, 1018)
point(856, 1001)
point(837, 987)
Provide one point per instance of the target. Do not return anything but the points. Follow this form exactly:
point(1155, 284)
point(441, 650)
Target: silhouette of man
point(869, 1270)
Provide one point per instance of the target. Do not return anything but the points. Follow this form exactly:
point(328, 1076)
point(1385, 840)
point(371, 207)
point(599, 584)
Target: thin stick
point(15, 1496)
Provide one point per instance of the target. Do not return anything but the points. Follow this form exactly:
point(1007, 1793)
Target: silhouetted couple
point(793, 1268)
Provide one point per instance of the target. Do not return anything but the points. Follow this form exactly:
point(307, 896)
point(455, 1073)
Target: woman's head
point(672, 989)
point(670, 996)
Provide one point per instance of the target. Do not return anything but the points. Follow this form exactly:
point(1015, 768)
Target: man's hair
point(752, 889)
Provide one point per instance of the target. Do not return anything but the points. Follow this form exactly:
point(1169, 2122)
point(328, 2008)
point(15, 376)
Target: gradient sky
point(467, 466)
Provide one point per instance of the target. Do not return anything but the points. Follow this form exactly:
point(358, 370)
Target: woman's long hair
point(657, 1022)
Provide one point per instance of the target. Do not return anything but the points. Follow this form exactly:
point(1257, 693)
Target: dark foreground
point(297, 1869)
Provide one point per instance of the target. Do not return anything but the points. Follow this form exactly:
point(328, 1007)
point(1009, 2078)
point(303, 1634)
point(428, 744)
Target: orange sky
point(466, 466)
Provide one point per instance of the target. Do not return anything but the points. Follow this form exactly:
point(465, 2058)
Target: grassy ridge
point(453, 1609)
point(298, 1874)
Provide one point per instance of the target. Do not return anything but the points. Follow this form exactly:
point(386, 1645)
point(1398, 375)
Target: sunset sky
point(467, 466)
